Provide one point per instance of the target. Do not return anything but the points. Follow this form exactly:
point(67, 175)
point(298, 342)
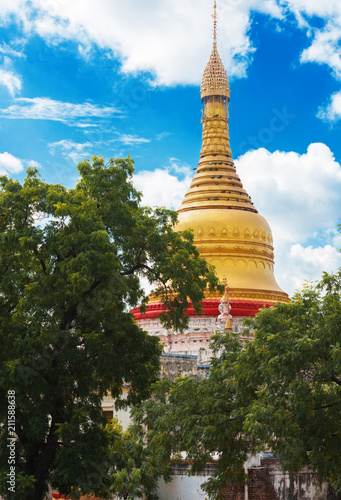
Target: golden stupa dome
point(228, 230)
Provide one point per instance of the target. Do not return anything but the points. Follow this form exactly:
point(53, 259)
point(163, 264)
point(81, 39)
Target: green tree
point(71, 263)
point(133, 471)
point(196, 417)
point(281, 391)
point(289, 380)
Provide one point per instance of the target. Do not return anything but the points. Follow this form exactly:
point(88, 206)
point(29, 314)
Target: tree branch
point(42, 263)
point(327, 406)
point(135, 268)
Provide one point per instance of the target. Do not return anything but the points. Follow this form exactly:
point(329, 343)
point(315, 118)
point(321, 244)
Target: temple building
point(228, 230)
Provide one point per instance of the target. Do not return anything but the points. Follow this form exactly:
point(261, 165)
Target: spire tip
point(215, 24)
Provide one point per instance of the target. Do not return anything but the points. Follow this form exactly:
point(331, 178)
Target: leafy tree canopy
point(132, 471)
point(71, 263)
point(196, 417)
point(289, 380)
point(279, 392)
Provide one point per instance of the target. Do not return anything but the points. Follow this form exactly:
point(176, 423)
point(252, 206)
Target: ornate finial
point(215, 80)
point(215, 24)
point(225, 297)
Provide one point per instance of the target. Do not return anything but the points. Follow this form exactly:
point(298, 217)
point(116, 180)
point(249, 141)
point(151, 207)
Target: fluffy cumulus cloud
point(328, 11)
point(44, 108)
point(299, 195)
point(336, 239)
point(33, 164)
point(170, 39)
point(332, 111)
point(324, 40)
point(142, 34)
point(10, 164)
point(8, 8)
point(325, 48)
point(164, 187)
point(303, 262)
point(289, 186)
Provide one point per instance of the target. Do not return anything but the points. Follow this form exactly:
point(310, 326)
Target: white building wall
point(196, 339)
point(108, 404)
point(182, 488)
point(304, 485)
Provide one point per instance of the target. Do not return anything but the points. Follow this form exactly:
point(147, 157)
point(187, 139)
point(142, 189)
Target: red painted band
point(210, 308)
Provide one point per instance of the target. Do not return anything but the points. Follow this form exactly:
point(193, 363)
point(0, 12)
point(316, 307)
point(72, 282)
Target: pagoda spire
point(215, 25)
point(214, 81)
point(216, 182)
point(228, 231)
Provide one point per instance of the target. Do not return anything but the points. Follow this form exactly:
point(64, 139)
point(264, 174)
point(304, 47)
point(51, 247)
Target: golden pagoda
point(228, 230)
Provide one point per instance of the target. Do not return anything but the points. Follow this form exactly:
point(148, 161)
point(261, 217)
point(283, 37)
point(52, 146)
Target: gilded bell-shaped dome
point(228, 230)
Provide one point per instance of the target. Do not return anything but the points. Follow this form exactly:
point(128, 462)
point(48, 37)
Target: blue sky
point(85, 77)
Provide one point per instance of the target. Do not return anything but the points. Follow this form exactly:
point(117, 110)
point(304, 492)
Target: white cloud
point(9, 164)
point(142, 34)
point(324, 41)
point(299, 195)
point(70, 149)
point(332, 111)
point(44, 108)
point(33, 164)
point(131, 140)
point(6, 49)
point(11, 81)
point(77, 151)
point(179, 167)
point(337, 241)
point(308, 263)
point(314, 7)
point(10, 7)
point(325, 48)
point(161, 187)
